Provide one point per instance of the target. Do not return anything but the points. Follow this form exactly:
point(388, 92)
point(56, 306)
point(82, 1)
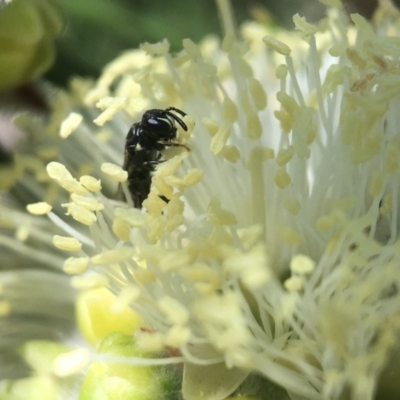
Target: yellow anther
point(294, 284)
point(111, 106)
point(281, 71)
point(70, 124)
point(277, 45)
point(220, 138)
point(40, 208)
point(169, 167)
point(58, 171)
point(163, 188)
point(156, 49)
point(80, 214)
point(211, 125)
point(89, 203)
point(175, 260)
point(193, 176)
point(133, 216)
point(376, 185)
point(284, 156)
point(62, 176)
point(282, 178)
point(229, 110)
point(302, 25)
point(177, 336)
point(122, 229)
point(90, 183)
point(67, 243)
point(175, 311)
point(258, 94)
point(231, 153)
point(192, 49)
point(302, 265)
point(145, 276)
point(115, 171)
point(76, 265)
point(218, 216)
point(285, 119)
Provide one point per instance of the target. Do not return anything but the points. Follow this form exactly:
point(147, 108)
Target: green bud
point(118, 380)
point(40, 354)
point(33, 388)
point(28, 29)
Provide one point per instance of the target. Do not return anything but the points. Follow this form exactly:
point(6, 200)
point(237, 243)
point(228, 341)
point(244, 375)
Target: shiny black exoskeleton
point(144, 145)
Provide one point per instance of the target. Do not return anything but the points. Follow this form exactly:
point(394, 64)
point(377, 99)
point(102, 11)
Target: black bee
point(143, 148)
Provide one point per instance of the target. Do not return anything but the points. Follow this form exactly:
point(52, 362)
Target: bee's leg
point(173, 144)
point(154, 162)
point(163, 198)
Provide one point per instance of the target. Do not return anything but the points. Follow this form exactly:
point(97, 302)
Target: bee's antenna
point(177, 119)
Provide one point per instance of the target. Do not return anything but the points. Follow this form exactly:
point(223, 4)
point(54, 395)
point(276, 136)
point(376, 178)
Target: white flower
point(277, 253)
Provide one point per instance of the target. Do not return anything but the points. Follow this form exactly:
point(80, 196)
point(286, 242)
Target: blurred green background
point(96, 31)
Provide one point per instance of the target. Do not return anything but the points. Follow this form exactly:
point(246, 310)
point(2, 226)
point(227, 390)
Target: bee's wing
point(127, 161)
